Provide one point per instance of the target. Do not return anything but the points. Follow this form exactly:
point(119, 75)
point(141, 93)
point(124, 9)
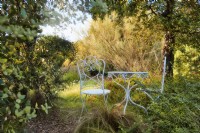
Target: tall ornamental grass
point(125, 46)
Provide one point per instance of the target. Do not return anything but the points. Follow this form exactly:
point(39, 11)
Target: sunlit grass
point(69, 97)
point(71, 91)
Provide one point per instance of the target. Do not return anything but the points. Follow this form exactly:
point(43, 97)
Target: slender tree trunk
point(168, 51)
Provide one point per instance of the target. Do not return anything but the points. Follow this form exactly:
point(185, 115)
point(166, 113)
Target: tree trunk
point(168, 51)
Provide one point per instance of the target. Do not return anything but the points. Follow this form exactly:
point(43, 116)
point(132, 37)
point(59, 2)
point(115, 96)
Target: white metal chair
point(148, 91)
point(91, 72)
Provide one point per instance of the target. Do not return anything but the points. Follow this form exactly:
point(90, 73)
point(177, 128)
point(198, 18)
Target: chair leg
point(83, 104)
point(105, 99)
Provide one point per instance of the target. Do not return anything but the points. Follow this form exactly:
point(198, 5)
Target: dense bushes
point(178, 109)
point(29, 64)
point(29, 73)
point(35, 79)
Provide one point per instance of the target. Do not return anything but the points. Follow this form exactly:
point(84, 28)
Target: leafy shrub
point(177, 110)
point(26, 65)
point(14, 108)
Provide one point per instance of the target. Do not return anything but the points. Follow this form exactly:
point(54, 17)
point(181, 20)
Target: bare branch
point(152, 10)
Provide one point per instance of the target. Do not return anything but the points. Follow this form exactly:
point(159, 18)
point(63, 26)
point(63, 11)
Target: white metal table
point(126, 76)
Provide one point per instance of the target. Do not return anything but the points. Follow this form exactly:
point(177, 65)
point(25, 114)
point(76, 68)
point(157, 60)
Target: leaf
point(20, 96)
point(5, 72)
point(33, 21)
point(33, 114)
point(9, 71)
point(17, 106)
point(5, 95)
point(18, 113)
point(23, 13)
point(27, 109)
point(3, 60)
point(44, 109)
point(18, 101)
point(36, 105)
point(1, 82)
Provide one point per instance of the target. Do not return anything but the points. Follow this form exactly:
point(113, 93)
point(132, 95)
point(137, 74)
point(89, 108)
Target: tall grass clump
point(101, 120)
point(125, 46)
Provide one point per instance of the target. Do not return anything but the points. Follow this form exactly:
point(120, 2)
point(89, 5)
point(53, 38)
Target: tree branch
point(152, 10)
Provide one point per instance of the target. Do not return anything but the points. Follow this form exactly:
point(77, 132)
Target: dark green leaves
point(23, 13)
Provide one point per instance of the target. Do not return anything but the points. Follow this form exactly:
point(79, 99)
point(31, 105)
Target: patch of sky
point(68, 20)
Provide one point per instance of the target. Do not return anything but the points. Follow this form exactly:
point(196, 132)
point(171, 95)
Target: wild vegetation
point(128, 46)
point(39, 83)
point(29, 66)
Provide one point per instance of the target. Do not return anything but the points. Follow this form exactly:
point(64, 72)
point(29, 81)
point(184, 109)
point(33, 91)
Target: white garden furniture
point(91, 72)
point(126, 84)
point(149, 91)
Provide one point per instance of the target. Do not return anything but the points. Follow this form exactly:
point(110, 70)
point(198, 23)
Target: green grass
point(175, 111)
point(69, 98)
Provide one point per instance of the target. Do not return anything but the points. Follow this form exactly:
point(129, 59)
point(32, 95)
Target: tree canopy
point(178, 19)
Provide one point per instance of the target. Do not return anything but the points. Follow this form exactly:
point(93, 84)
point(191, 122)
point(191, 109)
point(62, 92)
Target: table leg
point(125, 106)
point(126, 99)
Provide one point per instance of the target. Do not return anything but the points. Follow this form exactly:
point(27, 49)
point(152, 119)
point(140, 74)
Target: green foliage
point(51, 52)
point(117, 93)
point(187, 61)
point(71, 77)
point(122, 7)
point(14, 108)
point(29, 70)
point(178, 19)
point(177, 110)
point(55, 50)
point(23, 19)
point(98, 6)
point(21, 74)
